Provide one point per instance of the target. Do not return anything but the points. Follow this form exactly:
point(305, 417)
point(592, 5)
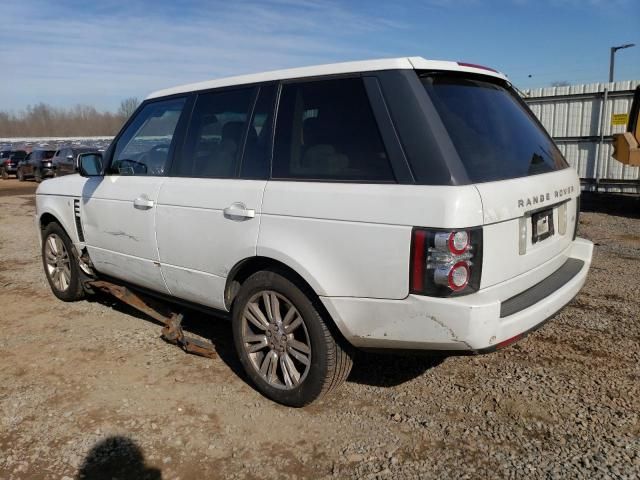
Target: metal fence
point(574, 117)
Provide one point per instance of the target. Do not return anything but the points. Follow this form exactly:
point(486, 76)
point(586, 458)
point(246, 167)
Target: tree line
point(43, 120)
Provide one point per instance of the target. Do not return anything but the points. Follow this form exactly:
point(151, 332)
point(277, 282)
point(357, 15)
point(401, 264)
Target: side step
point(172, 331)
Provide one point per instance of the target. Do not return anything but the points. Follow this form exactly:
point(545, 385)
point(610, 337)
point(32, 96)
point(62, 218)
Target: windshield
point(496, 136)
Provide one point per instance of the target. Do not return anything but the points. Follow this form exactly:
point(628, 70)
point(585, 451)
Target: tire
point(5, 175)
point(37, 175)
point(60, 264)
point(328, 360)
point(20, 175)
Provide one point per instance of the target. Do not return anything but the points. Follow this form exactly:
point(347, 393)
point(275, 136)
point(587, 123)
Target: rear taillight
point(445, 262)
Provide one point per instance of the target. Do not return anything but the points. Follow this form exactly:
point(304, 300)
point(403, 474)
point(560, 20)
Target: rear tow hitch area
point(172, 331)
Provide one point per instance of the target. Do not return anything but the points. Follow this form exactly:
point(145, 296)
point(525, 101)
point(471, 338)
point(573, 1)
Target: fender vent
point(76, 214)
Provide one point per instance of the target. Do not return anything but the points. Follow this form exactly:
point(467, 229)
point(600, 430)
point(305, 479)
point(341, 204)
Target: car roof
point(400, 63)
point(73, 146)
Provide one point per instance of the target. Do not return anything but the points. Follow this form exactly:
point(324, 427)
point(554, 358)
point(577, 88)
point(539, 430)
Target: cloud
point(71, 52)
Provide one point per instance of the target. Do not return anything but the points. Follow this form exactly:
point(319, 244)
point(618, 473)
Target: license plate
point(542, 225)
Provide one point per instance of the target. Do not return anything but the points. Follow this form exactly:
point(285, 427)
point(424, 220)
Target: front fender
point(61, 209)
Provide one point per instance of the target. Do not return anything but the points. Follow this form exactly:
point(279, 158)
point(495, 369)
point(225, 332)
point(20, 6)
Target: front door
point(208, 212)
point(119, 209)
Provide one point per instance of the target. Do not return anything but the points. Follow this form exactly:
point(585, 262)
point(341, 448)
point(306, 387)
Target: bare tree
point(128, 106)
point(43, 120)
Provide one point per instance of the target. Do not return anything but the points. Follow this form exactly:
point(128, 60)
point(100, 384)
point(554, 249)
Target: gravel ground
point(89, 390)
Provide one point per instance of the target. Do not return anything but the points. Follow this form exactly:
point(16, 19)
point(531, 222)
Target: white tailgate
point(508, 206)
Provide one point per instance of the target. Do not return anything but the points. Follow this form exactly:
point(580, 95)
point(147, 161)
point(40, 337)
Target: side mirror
point(90, 164)
point(626, 146)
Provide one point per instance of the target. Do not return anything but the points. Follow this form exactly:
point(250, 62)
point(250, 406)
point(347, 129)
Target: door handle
point(142, 203)
point(239, 210)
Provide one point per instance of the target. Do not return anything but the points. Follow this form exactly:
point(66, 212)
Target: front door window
point(143, 148)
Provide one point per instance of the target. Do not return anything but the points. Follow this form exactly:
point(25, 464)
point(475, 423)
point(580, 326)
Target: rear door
point(333, 210)
point(118, 210)
point(32, 159)
point(63, 162)
point(209, 211)
point(529, 193)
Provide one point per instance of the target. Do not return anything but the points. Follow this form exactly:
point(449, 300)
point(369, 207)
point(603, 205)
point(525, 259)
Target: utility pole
point(612, 59)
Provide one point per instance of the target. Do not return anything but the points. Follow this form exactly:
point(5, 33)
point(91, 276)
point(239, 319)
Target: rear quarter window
point(494, 133)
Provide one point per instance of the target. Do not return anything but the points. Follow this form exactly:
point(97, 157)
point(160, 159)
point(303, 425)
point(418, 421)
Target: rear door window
point(496, 136)
point(326, 130)
point(216, 133)
point(257, 151)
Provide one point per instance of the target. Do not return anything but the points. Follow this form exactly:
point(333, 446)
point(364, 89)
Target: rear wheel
point(285, 345)
point(60, 264)
point(5, 175)
point(20, 175)
point(37, 174)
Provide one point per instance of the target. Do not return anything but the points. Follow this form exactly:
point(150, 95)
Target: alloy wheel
point(276, 339)
point(58, 262)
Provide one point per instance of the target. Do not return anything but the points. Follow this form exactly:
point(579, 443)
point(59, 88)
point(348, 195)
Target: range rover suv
point(398, 204)
point(9, 160)
point(37, 164)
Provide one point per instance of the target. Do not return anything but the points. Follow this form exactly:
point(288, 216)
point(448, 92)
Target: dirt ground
point(89, 390)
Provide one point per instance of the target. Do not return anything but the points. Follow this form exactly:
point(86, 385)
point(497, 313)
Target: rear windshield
point(496, 136)
point(19, 155)
point(48, 154)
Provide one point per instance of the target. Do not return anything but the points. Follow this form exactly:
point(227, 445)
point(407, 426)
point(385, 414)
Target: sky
point(70, 52)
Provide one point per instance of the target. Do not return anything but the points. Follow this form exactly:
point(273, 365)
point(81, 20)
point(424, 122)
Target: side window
point(326, 131)
point(256, 159)
point(215, 136)
point(143, 148)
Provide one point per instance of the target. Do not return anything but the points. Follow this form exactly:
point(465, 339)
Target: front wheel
point(60, 264)
point(285, 345)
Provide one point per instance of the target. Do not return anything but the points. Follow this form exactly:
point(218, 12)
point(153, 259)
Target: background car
point(38, 164)
point(65, 160)
point(9, 160)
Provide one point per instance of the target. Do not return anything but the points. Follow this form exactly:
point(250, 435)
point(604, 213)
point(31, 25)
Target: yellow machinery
point(626, 148)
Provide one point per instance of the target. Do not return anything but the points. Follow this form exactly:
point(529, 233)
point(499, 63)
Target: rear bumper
point(47, 171)
point(471, 323)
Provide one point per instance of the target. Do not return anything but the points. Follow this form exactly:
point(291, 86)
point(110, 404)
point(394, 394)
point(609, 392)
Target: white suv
point(388, 204)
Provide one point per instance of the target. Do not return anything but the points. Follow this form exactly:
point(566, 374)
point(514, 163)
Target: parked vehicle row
point(41, 163)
